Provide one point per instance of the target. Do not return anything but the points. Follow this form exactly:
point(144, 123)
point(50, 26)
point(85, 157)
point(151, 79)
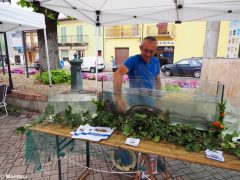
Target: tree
point(211, 39)
point(51, 30)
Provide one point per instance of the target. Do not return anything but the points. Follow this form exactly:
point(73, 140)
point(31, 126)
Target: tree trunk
point(52, 41)
point(211, 39)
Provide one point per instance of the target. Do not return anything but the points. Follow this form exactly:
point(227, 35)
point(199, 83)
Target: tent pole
point(8, 64)
point(25, 53)
point(3, 68)
point(97, 44)
point(48, 63)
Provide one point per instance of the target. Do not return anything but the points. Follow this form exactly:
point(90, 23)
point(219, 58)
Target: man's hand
point(121, 104)
point(117, 88)
point(158, 83)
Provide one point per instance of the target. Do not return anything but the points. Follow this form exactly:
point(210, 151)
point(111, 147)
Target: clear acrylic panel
point(185, 105)
point(62, 98)
point(232, 112)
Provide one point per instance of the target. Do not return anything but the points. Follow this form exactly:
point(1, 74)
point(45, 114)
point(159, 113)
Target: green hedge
point(58, 76)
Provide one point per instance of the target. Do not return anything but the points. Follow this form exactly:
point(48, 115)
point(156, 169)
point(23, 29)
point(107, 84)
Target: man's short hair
point(150, 38)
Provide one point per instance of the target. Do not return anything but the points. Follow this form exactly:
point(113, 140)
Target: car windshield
point(185, 61)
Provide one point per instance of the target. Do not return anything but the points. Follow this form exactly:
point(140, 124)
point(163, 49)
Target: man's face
point(148, 48)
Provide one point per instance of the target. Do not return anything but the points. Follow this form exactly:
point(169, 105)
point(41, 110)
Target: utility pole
point(8, 64)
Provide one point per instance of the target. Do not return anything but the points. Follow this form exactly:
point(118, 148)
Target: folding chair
point(3, 93)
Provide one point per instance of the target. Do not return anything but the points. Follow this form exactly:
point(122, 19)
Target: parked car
point(184, 67)
point(89, 64)
point(36, 65)
point(165, 60)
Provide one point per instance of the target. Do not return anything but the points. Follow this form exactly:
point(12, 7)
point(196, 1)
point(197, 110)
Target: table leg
point(88, 154)
point(59, 160)
point(165, 168)
point(86, 171)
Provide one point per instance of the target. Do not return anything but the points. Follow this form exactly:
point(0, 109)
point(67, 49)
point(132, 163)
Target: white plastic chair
point(3, 93)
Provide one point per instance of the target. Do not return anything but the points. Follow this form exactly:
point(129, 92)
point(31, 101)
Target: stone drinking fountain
point(79, 99)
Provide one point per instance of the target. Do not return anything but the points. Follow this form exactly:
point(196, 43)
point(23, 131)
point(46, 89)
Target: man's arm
point(158, 82)
point(117, 87)
point(117, 78)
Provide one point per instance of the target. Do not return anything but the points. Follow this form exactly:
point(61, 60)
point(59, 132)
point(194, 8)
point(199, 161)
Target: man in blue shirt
point(143, 71)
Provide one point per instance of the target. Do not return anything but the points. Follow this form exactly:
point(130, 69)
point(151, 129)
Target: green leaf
point(237, 152)
point(235, 134)
point(156, 139)
point(232, 145)
point(228, 137)
point(20, 130)
point(126, 130)
point(194, 147)
point(223, 145)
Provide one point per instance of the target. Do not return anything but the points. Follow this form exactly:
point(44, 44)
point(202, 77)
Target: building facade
point(233, 50)
point(75, 36)
point(175, 41)
point(32, 49)
point(16, 48)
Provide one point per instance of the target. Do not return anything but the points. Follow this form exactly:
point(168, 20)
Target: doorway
point(165, 54)
point(121, 55)
point(30, 58)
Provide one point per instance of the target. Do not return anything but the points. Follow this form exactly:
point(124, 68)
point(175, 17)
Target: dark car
point(36, 65)
point(184, 67)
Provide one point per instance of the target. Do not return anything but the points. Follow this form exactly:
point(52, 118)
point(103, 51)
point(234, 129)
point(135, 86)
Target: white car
point(89, 64)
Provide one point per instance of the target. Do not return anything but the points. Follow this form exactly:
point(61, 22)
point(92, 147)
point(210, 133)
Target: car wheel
point(168, 72)
point(197, 74)
point(92, 70)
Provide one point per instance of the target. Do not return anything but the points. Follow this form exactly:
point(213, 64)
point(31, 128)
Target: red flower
point(216, 123)
point(222, 114)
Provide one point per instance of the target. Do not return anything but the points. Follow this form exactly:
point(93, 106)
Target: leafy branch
point(37, 8)
point(152, 127)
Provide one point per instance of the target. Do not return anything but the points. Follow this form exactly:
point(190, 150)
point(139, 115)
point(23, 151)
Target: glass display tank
point(81, 101)
point(181, 105)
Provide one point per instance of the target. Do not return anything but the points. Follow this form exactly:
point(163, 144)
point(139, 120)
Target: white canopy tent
point(19, 19)
point(115, 12)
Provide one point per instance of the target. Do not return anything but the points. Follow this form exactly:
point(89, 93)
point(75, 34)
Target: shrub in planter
point(58, 76)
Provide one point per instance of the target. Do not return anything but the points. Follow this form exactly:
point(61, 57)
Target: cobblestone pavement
point(13, 162)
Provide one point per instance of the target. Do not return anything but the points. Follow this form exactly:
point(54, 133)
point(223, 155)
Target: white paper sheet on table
point(216, 155)
point(92, 133)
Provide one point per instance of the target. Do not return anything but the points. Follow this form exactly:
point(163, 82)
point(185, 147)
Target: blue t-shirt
point(142, 74)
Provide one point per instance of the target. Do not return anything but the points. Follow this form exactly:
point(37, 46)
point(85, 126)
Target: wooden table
point(162, 149)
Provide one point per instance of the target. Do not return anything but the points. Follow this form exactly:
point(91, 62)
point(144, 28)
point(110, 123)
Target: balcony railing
point(76, 39)
point(161, 29)
point(31, 46)
point(122, 32)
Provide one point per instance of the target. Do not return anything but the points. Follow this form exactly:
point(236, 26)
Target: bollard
point(76, 74)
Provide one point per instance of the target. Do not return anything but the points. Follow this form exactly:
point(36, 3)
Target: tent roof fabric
point(19, 19)
point(113, 12)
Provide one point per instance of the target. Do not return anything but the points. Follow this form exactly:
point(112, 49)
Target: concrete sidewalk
point(13, 162)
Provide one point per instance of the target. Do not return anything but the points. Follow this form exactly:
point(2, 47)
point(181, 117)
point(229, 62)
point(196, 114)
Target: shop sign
point(166, 43)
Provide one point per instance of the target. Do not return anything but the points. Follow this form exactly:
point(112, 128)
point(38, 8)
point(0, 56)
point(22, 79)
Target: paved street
point(13, 162)
point(13, 159)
